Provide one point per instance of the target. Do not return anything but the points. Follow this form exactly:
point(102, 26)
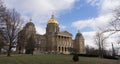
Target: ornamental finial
point(30, 19)
point(52, 16)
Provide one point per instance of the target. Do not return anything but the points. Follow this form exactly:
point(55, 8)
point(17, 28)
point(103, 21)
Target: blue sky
point(81, 11)
point(73, 15)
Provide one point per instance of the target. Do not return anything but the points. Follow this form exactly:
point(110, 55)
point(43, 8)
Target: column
point(61, 49)
point(67, 45)
point(57, 41)
point(57, 48)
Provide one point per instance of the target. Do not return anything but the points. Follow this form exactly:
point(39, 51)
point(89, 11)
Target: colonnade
point(63, 44)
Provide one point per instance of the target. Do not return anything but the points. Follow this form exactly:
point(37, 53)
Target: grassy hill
point(52, 59)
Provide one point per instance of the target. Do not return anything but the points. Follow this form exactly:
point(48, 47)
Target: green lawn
point(52, 59)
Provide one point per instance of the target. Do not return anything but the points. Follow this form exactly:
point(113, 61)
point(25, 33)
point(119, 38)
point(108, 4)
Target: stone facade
point(53, 41)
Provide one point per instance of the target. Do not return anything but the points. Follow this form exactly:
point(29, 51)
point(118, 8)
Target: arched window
point(59, 48)
point(62, 48)
point(65, 49)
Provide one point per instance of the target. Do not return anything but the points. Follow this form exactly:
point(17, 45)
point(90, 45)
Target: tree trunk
point(0, 50)
point(9, 51)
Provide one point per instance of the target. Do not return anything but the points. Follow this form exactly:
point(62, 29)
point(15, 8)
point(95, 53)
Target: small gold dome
point(52, 20)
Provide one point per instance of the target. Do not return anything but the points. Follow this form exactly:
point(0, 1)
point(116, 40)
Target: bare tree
point(12, 25)
point(100, 41)
point(91, 51)
point(2, 11)
point(117, 49)
point(114, 25)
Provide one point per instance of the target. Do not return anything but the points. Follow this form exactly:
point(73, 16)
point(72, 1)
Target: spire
point(30, 19)
point(78, 31)
point(113, 50)
point(52, 16)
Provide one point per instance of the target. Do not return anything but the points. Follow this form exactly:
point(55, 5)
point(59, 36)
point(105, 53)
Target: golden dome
point(52, 20)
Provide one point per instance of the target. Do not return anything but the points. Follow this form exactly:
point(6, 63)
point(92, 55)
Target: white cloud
point(62, 27)
point(93, 23)
point(89, 38)
point(39, 10)
point(94, 2)
point(40, 29)
point(107, 6)
point(105, 15)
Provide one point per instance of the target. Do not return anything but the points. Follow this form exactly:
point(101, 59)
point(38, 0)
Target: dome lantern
point(30, 23)
point(30, 20)
point(52, 20)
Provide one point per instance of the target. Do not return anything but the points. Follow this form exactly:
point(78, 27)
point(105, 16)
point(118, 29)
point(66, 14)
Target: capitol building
point(53, 41)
